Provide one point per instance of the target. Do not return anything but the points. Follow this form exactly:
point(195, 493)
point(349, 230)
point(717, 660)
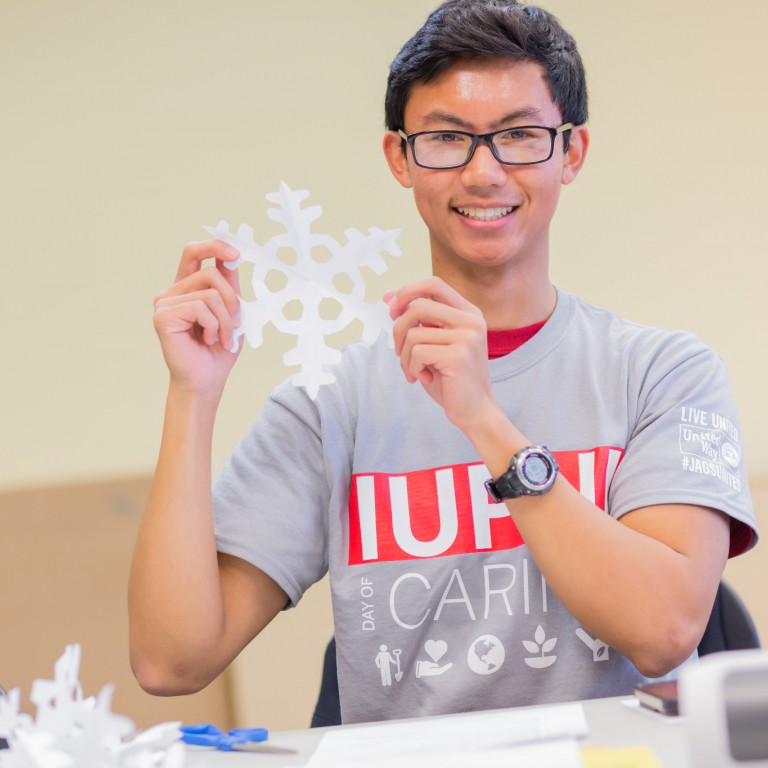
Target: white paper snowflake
point(320, 269)
point(70, 731)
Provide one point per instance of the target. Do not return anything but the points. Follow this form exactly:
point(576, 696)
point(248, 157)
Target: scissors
point(207, 735)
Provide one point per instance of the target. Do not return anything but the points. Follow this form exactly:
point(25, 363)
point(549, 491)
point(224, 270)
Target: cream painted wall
point(128, 125)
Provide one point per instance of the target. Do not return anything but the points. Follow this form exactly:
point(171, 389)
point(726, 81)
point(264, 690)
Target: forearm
point(646, 597)
point(175, 600)
point(635, 593)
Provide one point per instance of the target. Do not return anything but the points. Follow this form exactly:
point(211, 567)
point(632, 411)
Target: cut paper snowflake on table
point(310, 280)
point(70, 731)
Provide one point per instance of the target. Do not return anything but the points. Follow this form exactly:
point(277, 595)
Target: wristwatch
point(532, 472)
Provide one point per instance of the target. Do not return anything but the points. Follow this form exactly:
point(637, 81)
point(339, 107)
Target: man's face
point(486, 213)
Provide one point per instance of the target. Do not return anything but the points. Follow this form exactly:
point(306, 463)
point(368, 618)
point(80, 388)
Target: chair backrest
point(730, 626)
point(328, 707)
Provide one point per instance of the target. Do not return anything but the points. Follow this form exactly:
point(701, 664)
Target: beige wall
point(128, 125)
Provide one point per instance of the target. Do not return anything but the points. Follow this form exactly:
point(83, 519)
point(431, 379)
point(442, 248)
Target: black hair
point(461, 30)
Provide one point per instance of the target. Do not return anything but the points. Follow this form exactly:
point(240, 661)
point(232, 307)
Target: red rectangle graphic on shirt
point(445, 511)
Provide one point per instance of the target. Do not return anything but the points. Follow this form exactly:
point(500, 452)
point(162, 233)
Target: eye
point(516, 134)
point(446, 137)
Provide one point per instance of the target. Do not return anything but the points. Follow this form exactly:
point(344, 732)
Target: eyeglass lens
point(445, 149)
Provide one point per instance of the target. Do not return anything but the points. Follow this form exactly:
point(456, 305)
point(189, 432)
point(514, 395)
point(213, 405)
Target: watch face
point(536, 470)
point(532, 472)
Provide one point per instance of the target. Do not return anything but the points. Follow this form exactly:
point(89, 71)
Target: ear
point(397, 158)
point(576, 154)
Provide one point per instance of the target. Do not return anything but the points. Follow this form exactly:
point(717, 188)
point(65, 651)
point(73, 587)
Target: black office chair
point(328, 707)
point(730, 628)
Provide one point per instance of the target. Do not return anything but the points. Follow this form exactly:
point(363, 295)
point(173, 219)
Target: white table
point(611, 723)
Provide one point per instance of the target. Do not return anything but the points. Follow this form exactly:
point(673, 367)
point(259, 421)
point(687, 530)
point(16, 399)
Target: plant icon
point(540, 646)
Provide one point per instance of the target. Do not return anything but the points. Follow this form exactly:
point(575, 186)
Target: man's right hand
point(196, 317)
point(192, 610)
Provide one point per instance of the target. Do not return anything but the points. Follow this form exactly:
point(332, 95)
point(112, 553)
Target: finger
point(427, 312)
point(448, 351)
point(192, 316)
point(423, 363)
point(208, 278)
point(419, 313)
point(432, 288)
point(421, 350)
point(199, 315)
point(194, 254)
point(205, 308)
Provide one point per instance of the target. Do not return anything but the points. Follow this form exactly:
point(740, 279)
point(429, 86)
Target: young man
point(585, 567)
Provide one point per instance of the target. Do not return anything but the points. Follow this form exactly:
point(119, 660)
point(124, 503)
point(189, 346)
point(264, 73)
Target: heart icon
point(436, 649)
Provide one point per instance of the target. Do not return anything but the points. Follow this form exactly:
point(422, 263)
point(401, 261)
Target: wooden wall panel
point(63, 579)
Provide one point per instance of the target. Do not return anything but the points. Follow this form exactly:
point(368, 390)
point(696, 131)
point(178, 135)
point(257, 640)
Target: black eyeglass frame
point(485, 138)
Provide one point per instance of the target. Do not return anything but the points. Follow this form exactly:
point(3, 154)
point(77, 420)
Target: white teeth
point(485, 214)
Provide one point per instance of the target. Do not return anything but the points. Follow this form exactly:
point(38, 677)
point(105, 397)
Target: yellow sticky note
point(619, 757)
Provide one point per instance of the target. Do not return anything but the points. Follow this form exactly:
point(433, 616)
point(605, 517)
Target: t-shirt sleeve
point(685, 446)
point(270, 501)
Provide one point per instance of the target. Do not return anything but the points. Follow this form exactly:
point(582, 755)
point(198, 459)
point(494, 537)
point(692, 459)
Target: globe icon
point(486, 655)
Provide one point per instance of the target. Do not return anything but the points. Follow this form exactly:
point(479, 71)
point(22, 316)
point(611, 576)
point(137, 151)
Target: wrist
point(496, 438)
point(194, 393)
point(194, 407)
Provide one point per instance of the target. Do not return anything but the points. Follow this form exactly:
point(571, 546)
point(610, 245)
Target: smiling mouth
point(486, 214)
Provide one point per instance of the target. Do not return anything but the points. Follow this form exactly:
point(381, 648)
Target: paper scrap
point(70, 731)
point(321, 269)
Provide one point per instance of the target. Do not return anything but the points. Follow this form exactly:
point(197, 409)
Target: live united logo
point(447, 511)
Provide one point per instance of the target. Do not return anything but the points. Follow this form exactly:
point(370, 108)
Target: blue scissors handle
point(250, 734)
point(207, 735)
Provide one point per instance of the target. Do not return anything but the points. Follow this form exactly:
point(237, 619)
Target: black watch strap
point(532, 472)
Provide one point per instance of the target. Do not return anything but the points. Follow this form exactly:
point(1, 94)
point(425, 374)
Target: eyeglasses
point(521, 145)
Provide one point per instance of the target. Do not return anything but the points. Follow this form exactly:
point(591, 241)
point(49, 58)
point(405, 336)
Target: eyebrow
point(438, 116)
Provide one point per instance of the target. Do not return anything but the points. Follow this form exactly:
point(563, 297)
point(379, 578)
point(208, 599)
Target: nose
point(483, 169)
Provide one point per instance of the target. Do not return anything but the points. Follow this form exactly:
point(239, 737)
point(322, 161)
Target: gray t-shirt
point(438, 606)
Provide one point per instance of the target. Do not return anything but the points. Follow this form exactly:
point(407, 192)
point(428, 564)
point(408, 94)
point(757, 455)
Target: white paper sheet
point(542, 737)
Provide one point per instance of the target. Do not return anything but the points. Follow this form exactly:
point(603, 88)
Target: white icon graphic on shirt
point(540, 646)
point(435, 649)
point(730, 454)
point(486, 655)
point(598, 647)
point(385, 661)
